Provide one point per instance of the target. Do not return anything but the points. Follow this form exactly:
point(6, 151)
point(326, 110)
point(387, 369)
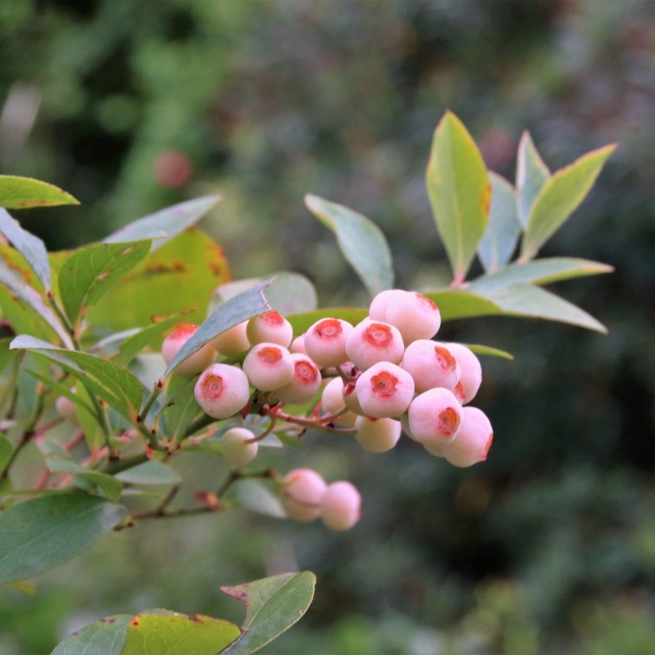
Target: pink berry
point(377, 435)
point(434, 449)
point(415, 316)
point(351, 399)
point(232, 341)
point(67, 409)
point(471, 371)
point(325, 341)
point(473, 441)
point(431, 365)
point(378, 309)
point(340, 509)
point(193, 364)
point(332, 401)
point(234, 448)
point(172, 169)
point(384, 390)
point(270, 327)
point(303, 491)
point(305, 383)
point(371, 342)
point(268, 366)
point(222, 390)
point(298, 346)
point(435, 416)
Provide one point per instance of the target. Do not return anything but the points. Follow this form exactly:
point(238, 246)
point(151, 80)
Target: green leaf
point(531, 175)
point(30, 246)
point(488, 350)
point(236, 310)
point(302, 322)
point(273, 605)
point(92, 271)
point(540, 272)
point(151, 472)
point(499, 241)
point(104, 637)
point(61, 390)
point(257, 497)
point(560, 197)
point(456, 303)
point(177, 634)
point(172, 220)
point(361, 241)
point(6, 355)
point(45, 532)
point(6, 449)
point(111, 487)
point(183, 410)
point(24, 192)
point(459, 191)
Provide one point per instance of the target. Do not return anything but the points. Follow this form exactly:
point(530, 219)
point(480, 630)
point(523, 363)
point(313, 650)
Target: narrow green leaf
point(273, 605)
point(6, 449)
point(459, 191)
point(499, 241)
point(361, 241)
point(104, 637)
point(257, 497)
point(182, 410)
point(45, 532)
point(61, 390)
point(560, 197)
point(456, 303)
point(6, 356)
point(236, 310)
point(172, 220)
point(531, 175)
point(111, 487)
point(488, 350)
point(30, 246)
point(149, 473)
point(302, 322)
point(24, 192)
point(92, 271)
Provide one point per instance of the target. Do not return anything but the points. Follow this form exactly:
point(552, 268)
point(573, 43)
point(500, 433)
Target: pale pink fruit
point(434, 448)
point(377, 435)
point(232, 341)
point(351, 399)
point(270, 327)
point(304, 384)
point(415, 316)
point(371, 342)
point(435, 417)
point(384, 390)
point(332, 401)
point(234, 448)
point(378, 309)
point(67, 409)
point(325, 341)
point(268, 366)
point(298, 346)
point(473, 440)
point(303, 491)
point(193, 364)
point(222, 390)
point(471, 371)
point(431, 365)
point(341, 506)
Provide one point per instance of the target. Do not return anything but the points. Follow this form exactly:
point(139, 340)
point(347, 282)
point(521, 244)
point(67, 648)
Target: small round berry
point(234, 448)
point(332, 402)
point(415, 316)
point(303, 491)
point(270, 327)
point(434, 448)
point(67, 409)
point(384, 390)
point(371, 342)
point(325, 341)
point(435, 416)
point(268, 366)
point(378, 309)
point(351, 399)
point(431, 365)
point(193, 364)
point(305, 383)
point(473, 440)
point(172, 169)
point(341, 506)
point(232, 341)
point(471, 371)
point(298, 346)
point(222, 390)
point(377, 435)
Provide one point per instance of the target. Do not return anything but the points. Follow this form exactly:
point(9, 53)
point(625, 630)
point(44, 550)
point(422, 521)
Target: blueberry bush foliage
point(144, 348)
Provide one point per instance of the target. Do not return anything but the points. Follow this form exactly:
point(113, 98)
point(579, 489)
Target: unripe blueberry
point(435, 416)
point(268, 366)
point(431, 365)
point(434, 448)
point(304, 384)
point(332, 401)
point(270, 327)
point(377, 435)
point(371, 342)
point(384, 390)
point(471, 371)
point(234, 448)
point(415, 316)
point(473, 440)
point(193, 364)
point(341, 506)
point(303, 491)
point(222, 390)
point(172, 169)
point(325, 341)
point(232, 341)
point(378, 309)
point(298, 346)
point(351, 399)
point(67, 409)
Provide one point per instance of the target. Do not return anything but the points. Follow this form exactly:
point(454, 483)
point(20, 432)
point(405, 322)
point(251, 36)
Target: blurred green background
point(549, 546)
